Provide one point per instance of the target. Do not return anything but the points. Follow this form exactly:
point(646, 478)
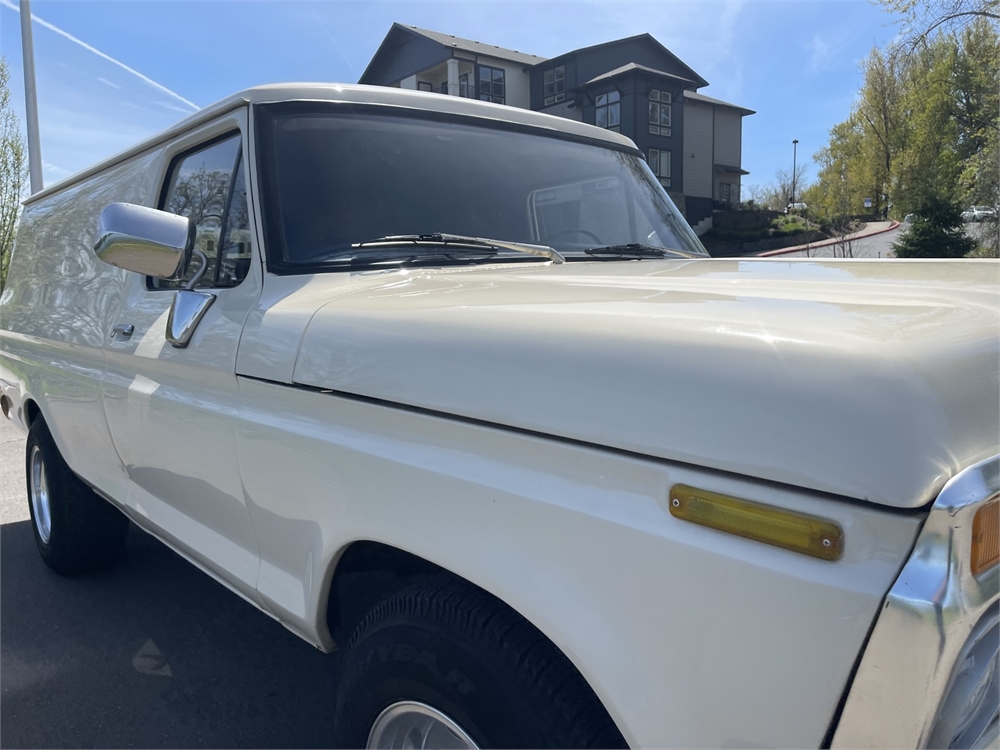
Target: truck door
point(168, 404)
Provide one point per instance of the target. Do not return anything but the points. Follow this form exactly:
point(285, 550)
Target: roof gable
point(408, 49)
point(641, 49)
point(479, 48)
point(696, 97)
point(402, 53)
point(635, 67)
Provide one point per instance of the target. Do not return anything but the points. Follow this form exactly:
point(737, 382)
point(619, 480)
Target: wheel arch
point(31, 411)
point(365, 572)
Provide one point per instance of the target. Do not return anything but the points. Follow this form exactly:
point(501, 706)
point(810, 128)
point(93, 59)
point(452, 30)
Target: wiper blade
point(631, 250)
point(376, 259)
point(462, 241)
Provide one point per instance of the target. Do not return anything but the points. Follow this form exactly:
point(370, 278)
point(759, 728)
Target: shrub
point(937, 231)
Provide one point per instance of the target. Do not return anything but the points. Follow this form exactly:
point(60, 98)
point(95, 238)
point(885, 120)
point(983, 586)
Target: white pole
point(30, 99)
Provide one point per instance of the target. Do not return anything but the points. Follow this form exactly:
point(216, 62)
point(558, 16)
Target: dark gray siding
point(634, 89)
point(584, 65)
point(698, 209)
point(401, 55)
point(642, 84)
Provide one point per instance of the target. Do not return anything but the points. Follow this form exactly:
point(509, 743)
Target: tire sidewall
point(406, 662)
point(39, 437)
point(410, 659)
point(87, 533)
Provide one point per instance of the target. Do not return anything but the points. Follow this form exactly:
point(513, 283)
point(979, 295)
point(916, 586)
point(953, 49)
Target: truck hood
point(874, 380)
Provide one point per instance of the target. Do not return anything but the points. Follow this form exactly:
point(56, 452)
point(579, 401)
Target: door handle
point(125, 329)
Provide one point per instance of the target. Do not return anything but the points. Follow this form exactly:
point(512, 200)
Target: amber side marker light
point(793, 531)
point(986, 537)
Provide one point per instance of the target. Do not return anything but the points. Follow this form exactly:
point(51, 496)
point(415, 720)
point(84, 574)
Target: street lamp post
point(795, 146)
point(30, 99)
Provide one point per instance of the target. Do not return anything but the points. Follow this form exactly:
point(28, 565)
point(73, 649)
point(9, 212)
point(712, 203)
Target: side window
point(207, 185)
point(234, 252)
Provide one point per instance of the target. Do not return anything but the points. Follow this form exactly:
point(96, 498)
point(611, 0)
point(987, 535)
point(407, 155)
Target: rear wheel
point(76, 531)
point(446, 665)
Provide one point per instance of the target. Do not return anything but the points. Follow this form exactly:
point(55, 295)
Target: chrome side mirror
point(145, 240)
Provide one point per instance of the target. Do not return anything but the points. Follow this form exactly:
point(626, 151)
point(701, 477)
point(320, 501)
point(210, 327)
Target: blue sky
point(134, 68)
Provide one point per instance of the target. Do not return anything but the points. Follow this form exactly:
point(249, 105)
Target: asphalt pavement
point(870, 246)
point(151, 654)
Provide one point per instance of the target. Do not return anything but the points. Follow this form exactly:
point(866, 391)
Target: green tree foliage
point(937, 231)
point(920, 19)
point(976, 79)
point(925, 123)
point(13, 172)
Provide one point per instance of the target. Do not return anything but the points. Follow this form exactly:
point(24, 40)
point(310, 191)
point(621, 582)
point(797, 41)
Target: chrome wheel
point(409, 724)
point(39, 492)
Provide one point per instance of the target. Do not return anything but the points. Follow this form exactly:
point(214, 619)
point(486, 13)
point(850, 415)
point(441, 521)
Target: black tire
point(464, 653)
point(85, 532)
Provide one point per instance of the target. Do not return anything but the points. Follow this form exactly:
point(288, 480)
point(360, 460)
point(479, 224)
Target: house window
point(659, 112)
point(659, 162)
point(609, 111)
point(555, 85)
point(724, 192)
point(491, 85)
point(464, 89)
point(444, 87)
point(424, 86)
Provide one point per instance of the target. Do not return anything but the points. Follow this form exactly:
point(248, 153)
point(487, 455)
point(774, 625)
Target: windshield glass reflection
point(341, 178)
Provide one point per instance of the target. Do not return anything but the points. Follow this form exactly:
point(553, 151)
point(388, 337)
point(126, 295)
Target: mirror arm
point(201, 271)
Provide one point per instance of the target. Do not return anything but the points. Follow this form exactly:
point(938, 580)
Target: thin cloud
point(823, 53)
point(52, 173)
point(172, 107)
point(89, 48)
point(108, 83)
point(334, 40)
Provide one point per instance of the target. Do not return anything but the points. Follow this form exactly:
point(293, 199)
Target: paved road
point(12, 505)
point(151, 654)
point(875, 246)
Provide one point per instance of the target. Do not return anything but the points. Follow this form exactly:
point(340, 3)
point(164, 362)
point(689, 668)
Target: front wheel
point(446, 665)
point(76, 531)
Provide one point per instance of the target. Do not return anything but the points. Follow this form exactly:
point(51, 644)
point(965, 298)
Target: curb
point(825, 243)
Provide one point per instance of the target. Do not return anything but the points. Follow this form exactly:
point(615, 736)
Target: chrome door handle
point(125, 329)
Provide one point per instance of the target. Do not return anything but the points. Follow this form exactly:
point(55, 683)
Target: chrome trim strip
point(191, 122)
point(927, 617)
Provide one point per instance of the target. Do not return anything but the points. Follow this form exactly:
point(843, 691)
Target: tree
point(920, 19)
point(937, 231)
point(13, 173)
point(925, 123)
point(975, 79)
point(877, 111)
point(840, 189)
point(776, 195)
point(928, 159)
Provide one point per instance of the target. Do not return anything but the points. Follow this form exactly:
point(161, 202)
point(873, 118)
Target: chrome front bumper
point(929, 674)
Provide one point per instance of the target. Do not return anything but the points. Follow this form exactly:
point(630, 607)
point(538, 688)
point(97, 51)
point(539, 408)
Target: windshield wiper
point(631, 250)
point(456, 245)
point(397, 259)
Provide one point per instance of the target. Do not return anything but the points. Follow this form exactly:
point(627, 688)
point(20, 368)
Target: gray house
point(634, 86)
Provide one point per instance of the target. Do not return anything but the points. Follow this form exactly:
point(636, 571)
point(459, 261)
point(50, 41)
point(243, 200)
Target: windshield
point(338, 178)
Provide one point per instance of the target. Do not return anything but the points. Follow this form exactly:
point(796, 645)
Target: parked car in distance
point(908, 219)
point(452, 387)
point(969, 214)
point(792, 208)
point(983, 213)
